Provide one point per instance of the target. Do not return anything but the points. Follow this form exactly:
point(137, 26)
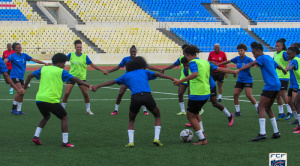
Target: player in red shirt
point(217, 57)
point(6, 54)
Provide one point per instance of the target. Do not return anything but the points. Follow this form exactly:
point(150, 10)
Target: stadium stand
point(119, 40)
point(108, 11)
point(270, 10)
point(46, 40)
point(26, 10)
point(177, 10)
point(9, 12)
point(205, 38)
point(271, 35)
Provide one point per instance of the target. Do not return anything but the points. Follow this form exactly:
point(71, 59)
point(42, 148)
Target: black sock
point(14, 107)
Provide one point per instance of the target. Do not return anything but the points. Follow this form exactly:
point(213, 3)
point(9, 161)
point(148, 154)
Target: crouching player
point(49, 93)
point(199, 73)
point(136, 79)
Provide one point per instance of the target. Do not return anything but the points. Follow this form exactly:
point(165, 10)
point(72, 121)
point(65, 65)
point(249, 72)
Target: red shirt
point(220, 57)
point(6, 54)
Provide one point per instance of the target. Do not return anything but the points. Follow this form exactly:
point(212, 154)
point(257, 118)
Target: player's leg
point(236, 94)
point(272, 118)
point(285, 99)
point(44, 110)
point(11, 89)
point(123, 89)
point(85, 94)
point(297, 105)
point(181, 89)
point(291, 99)
point(248, 92)
point(280, 107)
point(20, 100)
point(213, 99)
point(67, 93)
point(16, 98)
point(220, 80)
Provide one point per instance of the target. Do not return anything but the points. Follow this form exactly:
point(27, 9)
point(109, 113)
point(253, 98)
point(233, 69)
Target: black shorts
point(291, 90)
point(8, 72)
point(72, 82)
point(284, 85)
point(17, 80)
point(243, 85)
point(213, 92)
point(139, 99)
point(269, 94)
point(218, 76)
point(195, 106)
point(55, 108)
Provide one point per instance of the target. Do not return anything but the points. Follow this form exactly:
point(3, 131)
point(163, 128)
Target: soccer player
point(49, 93)
point(217, 57)
point(18, 61)
point(199, 73)
point(123, 87)
point(213, 93)
point(182, 88)
point(292, 54)
point(280, 56)
point(79, 62)
point(244, 79)
point(272, 86)
point(293, 89)
point(137, 80)
point(6, 54)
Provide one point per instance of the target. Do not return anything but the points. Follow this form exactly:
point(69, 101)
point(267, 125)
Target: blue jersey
point(18, 65)
point(137, 80)
point(177, 63)
point(88, 61)
point(125, 61)
point(66, 76)
point(244, 75)
point(3, 67)
point(267, 66)
point(293, 80)
point(212, 83)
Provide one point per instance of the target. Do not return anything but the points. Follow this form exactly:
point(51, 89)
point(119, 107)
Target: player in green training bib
point(52, 79)
point(79, 62)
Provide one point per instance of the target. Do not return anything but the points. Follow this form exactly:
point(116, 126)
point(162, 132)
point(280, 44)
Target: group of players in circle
point(197, 75)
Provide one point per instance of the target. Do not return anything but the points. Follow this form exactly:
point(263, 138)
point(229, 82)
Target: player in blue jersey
point(3, 71)
point(293, 89)
point(123, 88)
point(272, 86)
point(137, 80)
point(293, 55)
point(213, 93)
point(18, 61)
point(199, 73)
point(244, 79)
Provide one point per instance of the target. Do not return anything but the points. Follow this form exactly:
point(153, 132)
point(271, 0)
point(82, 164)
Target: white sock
point(38, 132)
point(182, 106)
point(11, 89)
point(298, 116)
point(200, 135)
point(157, 132)
point(256, 105)
point(280, 107)
point(64, 105)
point(237, 108)
point(288, 108)
point(117, 107)
point(262, 124)
point(226, 112)
point(65, 137)
point(88, 106)
point(15, 103)
point(295, 114)
point(220, 96)
point(144, 108)
point(201, 126)
point(19, 107)
point(274, 124)
point(130, 135)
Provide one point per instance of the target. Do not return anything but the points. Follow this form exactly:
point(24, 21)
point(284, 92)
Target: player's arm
point(79, 81)
point(167, 68)
point(224, 63)
point(153, 68)
point(29, 77)
point(6, 60)
point(290, 67)
point(97, 68)
point(11, 83)
point(190, 77)
point(114, 69)
point(248, 65)
point(163, 76)
point(282, 69)
point(108, 83)
point(40, 62)
point(224, 70)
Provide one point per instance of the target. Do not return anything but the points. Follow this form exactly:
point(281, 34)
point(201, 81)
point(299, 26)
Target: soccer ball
point(186, 135)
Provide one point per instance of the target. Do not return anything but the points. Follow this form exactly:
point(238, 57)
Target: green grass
point(100, 139)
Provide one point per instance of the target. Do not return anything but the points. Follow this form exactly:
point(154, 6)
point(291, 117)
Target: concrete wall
point(45, 11)
point(215, 8)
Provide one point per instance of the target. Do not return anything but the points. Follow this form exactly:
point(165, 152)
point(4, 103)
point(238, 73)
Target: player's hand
point(176, 82)
point(48, 64)
point(162, 71)
point(226, 75)
point(284, 71)
point(214, 63)
point(236, 73)
point(21, 91)
point(105, 72)
point(93, 88)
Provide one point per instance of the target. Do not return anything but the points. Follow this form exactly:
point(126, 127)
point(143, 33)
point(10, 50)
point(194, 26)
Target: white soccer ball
point(186, 135)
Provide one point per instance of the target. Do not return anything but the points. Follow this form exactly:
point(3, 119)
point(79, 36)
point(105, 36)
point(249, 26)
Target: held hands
point(236, 73)
point(284, 71)
point(93, 88)
point(105, 72)
point(162, 71)
point(21, 91)
point(176, 82)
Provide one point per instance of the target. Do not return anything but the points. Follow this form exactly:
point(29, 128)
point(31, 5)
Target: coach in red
point(6, 54)
point(217, 57)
